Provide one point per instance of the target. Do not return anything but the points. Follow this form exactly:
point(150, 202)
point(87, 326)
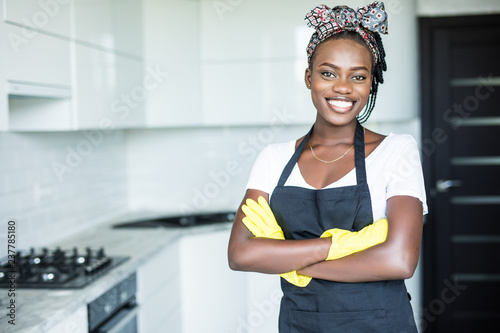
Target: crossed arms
point(396, 258)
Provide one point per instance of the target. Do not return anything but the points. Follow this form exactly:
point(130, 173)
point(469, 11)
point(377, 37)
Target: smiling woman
point(341, 226)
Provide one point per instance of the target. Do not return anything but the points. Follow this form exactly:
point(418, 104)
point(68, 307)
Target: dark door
point(460, 85)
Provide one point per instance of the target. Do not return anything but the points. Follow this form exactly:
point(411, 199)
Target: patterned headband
point(365, 21)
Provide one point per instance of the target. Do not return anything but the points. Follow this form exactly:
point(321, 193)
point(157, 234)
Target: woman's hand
point(345, 242)
point(247, 253)
point(396, 258)
point(261, 222)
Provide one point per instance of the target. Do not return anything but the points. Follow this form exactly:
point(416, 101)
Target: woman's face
point(340, 79)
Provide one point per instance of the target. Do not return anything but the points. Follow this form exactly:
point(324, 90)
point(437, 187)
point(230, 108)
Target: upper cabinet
point(36, 78)
point(152, 63)
point(108, 65)
point(114, 25)
point(172, 52)
point(48, 16)
point(93, 23)
point(253, 58)
point(71, 65)
point(35, 57)
point(253, 62)
point(93, 64)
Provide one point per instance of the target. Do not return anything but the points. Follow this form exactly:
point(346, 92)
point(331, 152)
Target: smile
point(340, 105)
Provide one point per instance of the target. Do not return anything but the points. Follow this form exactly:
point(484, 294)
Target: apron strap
point(359, 156)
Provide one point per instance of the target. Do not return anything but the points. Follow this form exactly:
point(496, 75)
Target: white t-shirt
point(393, 168)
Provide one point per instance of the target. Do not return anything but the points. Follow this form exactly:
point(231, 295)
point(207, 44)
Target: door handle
point(442, 185)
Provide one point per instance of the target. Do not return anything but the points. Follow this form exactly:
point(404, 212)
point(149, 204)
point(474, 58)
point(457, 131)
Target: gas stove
point(56, 268)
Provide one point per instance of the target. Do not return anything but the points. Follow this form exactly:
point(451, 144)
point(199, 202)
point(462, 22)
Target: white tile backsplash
point(190, 170)
point(49, 205)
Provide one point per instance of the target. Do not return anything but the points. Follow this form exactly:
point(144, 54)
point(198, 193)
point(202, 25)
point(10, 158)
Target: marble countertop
point(37, 310)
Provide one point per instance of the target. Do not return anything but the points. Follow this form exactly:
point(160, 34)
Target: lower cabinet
point(158, 292)
point(213, 296)
point(189, 288)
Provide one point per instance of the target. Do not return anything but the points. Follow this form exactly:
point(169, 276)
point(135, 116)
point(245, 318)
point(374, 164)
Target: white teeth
point(340, 104)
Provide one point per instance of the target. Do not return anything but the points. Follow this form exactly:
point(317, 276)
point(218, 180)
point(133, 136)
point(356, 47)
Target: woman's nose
point(342, 86)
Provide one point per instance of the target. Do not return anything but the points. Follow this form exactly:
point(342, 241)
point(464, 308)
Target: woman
point(329, 187)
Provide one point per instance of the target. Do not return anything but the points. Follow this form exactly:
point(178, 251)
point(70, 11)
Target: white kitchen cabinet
point(94, 87)
point(133, 84)
point(260, 72)
point(4, 101)
point(37, 58)
point(158, 292)
point(189, 288)
point(51, 16)
point(111, 85)
point(213, 296)
point(109, 91)
point(109, 24)
point(128, 26)
point(171, 47)
point(37, 80)
point(93, 23)
point(75, 323)
point(260, 92)
point(236, 30)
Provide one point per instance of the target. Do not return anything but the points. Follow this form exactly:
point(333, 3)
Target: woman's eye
point(328, 74)
point(359, 78)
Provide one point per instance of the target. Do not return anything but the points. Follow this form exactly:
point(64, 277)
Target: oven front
point(115, 311)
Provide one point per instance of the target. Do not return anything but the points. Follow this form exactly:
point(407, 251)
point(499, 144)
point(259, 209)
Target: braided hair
point(377, 68)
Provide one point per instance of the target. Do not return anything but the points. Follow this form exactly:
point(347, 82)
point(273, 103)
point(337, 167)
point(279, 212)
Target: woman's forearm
point(396, 258)
point(277, 256)
point(374, 264)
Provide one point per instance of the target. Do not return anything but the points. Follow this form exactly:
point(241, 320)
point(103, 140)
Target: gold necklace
point(335, 160)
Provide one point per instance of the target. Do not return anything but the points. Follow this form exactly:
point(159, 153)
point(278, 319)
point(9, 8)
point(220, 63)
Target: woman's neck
point(327, 134)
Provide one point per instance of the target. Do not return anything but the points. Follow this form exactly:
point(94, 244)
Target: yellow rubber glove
point(345, 242)
point(261, 222)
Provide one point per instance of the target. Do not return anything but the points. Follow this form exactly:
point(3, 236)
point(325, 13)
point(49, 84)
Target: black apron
point(327, 306)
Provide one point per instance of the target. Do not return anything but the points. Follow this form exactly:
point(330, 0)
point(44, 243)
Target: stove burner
point(56, 268)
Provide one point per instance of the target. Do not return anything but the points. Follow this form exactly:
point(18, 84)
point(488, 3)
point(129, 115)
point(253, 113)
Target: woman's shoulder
point(280, 148)
point(394, 140)
point(394, 144)
point(277, 151)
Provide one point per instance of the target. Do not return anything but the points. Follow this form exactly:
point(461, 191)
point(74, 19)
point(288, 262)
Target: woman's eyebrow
point(355, 68)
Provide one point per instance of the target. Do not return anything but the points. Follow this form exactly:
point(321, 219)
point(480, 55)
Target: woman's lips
point(341, 106)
